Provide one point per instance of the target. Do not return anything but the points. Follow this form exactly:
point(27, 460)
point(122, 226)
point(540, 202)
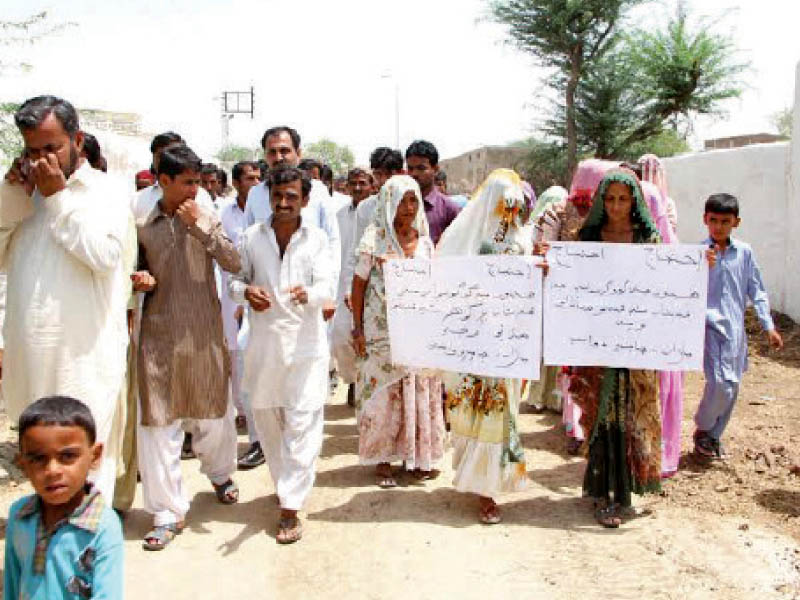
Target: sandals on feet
point(384, 478)
point(608, 517)
point(490, 513)
point(160, 536)
point(421, 475)
point(227, 493)
point(290, 530)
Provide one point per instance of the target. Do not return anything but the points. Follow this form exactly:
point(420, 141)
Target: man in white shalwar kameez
point(63, 233)
point(359, 184)
point(286, 277)
point(245, 175)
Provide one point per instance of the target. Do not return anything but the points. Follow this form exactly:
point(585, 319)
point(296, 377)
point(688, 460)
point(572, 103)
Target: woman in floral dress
point(482, 411)
point(620, 408)
point(400, 417)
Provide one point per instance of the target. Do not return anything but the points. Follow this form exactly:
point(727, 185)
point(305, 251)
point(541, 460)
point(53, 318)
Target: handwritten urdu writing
point(479, 314)
point(625, 305)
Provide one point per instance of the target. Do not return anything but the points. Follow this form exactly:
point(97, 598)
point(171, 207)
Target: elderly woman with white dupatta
point(488, 458)
point(400, 409)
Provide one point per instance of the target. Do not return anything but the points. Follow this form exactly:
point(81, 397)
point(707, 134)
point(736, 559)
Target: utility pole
point(235, 103)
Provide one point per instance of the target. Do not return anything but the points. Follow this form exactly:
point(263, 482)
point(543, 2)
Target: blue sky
point(318, 66)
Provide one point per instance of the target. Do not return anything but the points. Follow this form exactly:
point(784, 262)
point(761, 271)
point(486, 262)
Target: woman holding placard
point(488, 458)
point(399, 409)
point(620, 408)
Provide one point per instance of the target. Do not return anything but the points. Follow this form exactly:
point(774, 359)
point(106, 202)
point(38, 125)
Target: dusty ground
point(729, 531)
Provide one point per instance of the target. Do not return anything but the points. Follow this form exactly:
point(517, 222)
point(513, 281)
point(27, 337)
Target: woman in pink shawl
point(654, 185)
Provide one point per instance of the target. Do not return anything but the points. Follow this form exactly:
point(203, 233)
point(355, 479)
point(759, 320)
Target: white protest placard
point(625, 305)
point(477, 314)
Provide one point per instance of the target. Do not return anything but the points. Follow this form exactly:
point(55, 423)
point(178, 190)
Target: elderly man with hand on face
point(64, 231)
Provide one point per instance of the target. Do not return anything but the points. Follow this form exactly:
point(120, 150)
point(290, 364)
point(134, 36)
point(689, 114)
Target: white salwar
point(233, 224)
point(159, 455)
point(341, 348)
point(286, 359)
point(68, 287)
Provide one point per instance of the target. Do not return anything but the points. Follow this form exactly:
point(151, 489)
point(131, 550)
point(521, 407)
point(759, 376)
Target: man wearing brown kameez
point(184, 363)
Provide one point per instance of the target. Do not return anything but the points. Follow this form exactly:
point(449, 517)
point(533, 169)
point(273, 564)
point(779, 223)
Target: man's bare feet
point(290, 529)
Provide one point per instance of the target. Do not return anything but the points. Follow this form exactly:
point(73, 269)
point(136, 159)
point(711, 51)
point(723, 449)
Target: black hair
point(286, 174)
point(356, 171)
point(307, 164)
point(423, 149)
point(440, 176)
point(58, 410)
point(386, 158)
point(177, 160)
point(35, 110)
point(162, 140)
point(264, 168)
point(238, 169)
point(723, 204)
point(209, 168)
point(326, 173)
point(222, 177)
point(91, 149)
point(279, 130)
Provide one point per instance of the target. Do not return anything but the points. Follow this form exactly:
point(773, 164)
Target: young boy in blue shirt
point(734, 279)
point(64, 541)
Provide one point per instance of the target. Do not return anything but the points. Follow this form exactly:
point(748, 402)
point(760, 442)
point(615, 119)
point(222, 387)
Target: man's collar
point(85, 516)
point(82, 174)
point(302, 226)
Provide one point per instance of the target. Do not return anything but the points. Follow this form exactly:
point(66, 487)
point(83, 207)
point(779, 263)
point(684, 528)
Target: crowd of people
point(142, 331)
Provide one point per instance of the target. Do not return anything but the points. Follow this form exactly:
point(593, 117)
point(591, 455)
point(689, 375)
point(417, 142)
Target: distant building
point(738, 141)
point(467, 171)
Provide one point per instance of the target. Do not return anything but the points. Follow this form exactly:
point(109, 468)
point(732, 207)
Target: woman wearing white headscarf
point(488, 458)
point(400, 409)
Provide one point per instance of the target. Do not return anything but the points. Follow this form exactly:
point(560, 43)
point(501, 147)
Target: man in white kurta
point(359, 183)
point(245, 176)
point(65, 330)
point(286, 360)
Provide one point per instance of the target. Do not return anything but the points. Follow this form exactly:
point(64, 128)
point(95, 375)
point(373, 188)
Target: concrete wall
point(757, 175)
point(766, 179)
point(467, 171)
point(791, 272)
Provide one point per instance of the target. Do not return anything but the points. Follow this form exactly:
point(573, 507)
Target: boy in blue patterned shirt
point(64, 541)
point(734, 280)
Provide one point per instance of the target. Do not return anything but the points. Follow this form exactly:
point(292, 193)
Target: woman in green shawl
point(621, 414)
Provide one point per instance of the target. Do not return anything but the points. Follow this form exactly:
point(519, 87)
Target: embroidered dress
point(400, 409)
point(488, 458)
point(620, 408)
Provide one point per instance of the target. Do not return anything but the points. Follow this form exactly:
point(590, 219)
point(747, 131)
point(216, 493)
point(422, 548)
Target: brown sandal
point(290, 530)
point(489, 512)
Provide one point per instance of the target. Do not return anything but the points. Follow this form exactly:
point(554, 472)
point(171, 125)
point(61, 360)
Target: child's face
point(57, 459)
point(618, 202)
point(287, 201)
point(720, 225)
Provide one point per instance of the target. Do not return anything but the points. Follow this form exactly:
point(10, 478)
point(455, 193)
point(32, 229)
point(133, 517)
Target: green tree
point(567, 35)
point(544, 165)
point(235, 153)
point(783, 121)
point(339, 158)
point(28, 31)
point(682, 72)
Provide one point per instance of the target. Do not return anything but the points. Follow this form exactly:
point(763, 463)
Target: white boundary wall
point(766, 179)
